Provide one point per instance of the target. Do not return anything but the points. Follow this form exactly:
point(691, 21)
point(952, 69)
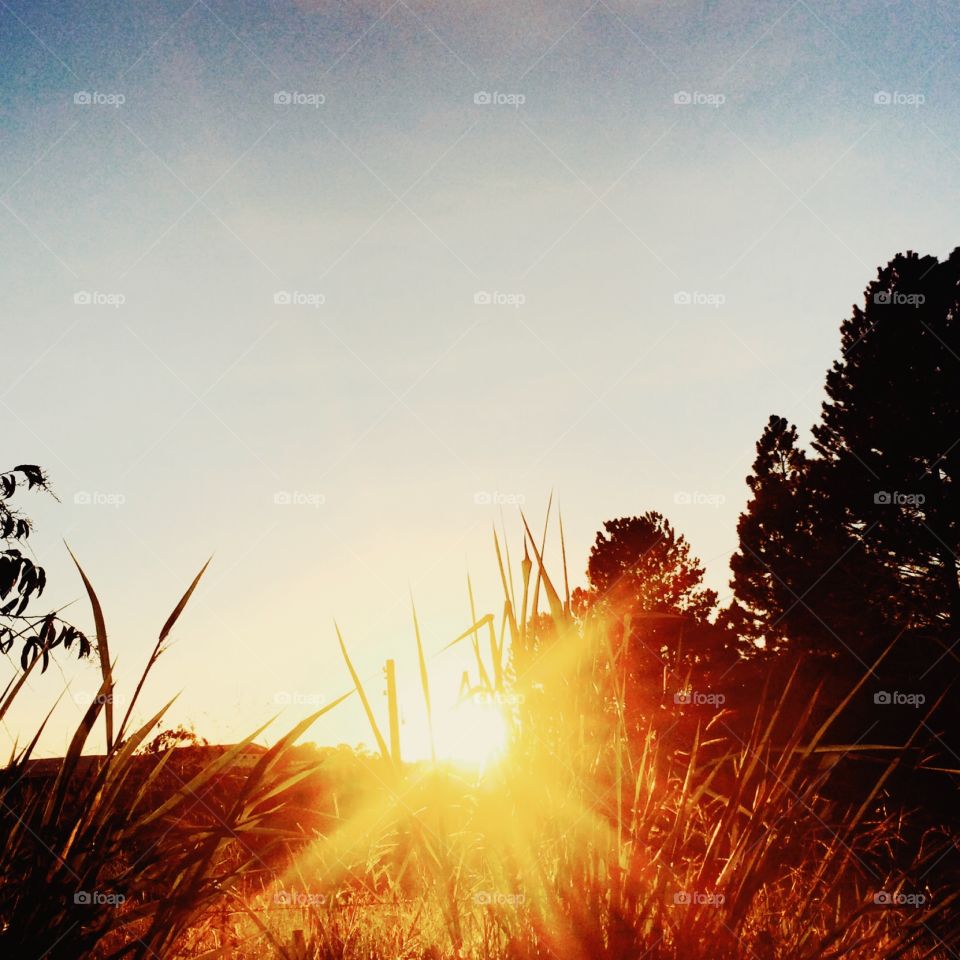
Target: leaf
point(482, 622)
point(9, 574)
point(367, 709)
point(172, 619)
point(167, 627)
point(103, 649)
point(424, 680)
point(553, 598)
point(29, 649)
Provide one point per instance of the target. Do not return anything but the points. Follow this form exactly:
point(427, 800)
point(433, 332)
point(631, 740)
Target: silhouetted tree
point(798, 565)
point(649, 587)
point(640, 565)
point(855, 543)
point(838, 548)
point(173, 737)
point(21, 580)
point(889, 436)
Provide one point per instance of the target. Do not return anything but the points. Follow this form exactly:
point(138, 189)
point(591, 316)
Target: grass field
point(603, 829)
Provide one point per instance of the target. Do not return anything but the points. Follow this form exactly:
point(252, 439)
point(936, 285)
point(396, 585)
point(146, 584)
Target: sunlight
point(472, 733)
point(489, 576)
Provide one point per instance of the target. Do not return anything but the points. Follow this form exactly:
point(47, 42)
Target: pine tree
point(799, 569)
point(856, 543)
point(889, 436)
point(649, 587)
point(642, 565)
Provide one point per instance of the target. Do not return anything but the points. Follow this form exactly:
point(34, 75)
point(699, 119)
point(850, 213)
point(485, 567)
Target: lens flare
point(473, 733)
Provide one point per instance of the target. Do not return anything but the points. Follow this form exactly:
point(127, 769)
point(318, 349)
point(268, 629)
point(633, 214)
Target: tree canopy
point(848, 551)
point(649, 588)
point(857, 540)
point(641, 565)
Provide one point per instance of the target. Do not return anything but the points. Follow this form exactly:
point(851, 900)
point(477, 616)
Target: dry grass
point(606, 832)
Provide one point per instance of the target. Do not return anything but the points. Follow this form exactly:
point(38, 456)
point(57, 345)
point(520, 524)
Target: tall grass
point(611, 829)
point(672, 836)
point(101, 860)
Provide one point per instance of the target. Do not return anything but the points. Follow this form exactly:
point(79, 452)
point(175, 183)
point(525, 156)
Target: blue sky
point(384, 201)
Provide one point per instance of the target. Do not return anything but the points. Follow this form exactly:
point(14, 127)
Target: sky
point(327, 290)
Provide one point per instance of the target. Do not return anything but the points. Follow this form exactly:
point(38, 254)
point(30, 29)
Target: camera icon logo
point(82, 897)
point(82, 98)
point(482, 298)
point(682, 97)
point(82, 298)
point(882, 697)
point(683, 697)
point(882, 296)
point(882, 497)
point(282, 97)
point(882, 98)
point(682, 298)
point(82, 498)
point(482, 98)
point(282, 498)
point(682, 898)
point(483, 898)
point(282, 298)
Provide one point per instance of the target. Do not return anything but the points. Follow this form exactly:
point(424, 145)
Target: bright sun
point(471, 733)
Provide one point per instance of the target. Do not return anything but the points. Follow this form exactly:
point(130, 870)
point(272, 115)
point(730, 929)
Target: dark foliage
point(21, 580)
point(847, 547)
point(647, 584)
point(866, 530)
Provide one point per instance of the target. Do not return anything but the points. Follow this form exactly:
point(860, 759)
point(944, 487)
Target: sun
point(471, 733)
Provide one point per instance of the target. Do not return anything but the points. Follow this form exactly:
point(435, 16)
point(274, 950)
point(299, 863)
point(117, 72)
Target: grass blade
point(102, 649)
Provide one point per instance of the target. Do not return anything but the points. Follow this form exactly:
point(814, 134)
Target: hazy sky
point(383, 167)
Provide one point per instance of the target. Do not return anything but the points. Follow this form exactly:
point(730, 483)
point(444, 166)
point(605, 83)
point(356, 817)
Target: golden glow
point(473, 733)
